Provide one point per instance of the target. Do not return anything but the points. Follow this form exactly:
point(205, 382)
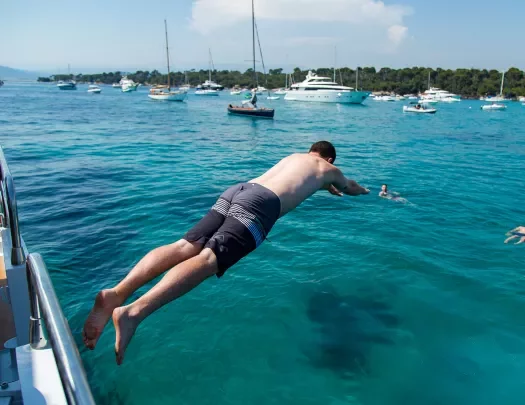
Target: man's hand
point(334, 191)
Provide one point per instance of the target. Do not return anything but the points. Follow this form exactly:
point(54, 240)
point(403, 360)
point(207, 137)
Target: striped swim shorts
point(237, 223)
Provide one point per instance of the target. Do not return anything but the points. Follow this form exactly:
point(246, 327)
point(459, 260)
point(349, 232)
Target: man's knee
point(188, 248)
point(209, 258)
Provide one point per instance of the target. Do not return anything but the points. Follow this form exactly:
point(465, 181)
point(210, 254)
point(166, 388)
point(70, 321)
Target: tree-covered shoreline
point(469, 83)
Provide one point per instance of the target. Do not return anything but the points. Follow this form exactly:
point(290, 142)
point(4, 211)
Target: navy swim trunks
point(237, 224)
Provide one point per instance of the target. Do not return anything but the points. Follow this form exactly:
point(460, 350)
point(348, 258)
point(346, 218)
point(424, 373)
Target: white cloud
point(396, 34)
point(210, 15)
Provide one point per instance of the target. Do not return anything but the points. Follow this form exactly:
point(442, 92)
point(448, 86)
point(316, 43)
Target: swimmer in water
point(516, 233)
point(384, 191)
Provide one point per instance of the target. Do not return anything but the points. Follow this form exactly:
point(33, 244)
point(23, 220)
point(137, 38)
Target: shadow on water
point(348, 328)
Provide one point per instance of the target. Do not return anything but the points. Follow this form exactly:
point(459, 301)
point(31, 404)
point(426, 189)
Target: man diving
point(236, 225)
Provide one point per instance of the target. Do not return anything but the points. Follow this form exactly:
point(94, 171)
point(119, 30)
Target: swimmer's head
point(384, 187)
point(324, 150)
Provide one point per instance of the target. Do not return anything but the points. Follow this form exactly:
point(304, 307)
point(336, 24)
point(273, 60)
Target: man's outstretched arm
point(346, 186)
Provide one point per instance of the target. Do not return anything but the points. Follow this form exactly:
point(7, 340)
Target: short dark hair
point(324, 148)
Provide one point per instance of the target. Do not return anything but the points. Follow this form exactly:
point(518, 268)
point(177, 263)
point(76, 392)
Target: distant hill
point(10, 73)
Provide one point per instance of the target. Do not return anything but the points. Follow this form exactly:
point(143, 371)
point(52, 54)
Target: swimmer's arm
point(344, 185)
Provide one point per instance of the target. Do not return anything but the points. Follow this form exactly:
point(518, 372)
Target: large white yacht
point(323, 89)
point(435, 94)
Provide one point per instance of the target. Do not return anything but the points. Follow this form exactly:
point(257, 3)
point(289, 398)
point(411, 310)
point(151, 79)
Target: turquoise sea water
point(351, 301)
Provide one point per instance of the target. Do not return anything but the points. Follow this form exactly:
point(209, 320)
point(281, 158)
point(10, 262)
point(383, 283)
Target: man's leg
point(150, 266)
point(177, 282)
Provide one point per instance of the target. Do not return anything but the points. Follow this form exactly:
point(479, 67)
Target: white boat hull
point(67, 86)
point(127, 89)
point(280, 92)
point(450, 100)
point(235, 93)
point(207, 93)
point(494, 107)
point(173, 96)
point(428, 101)
point(327, 96)
point(419, 110)
point(95, 91)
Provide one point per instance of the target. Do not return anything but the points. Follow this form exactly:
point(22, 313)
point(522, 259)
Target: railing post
point(36, 329)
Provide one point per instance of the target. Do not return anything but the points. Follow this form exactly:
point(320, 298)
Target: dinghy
point(251, 112)
point(418, 109)
point(494, 107)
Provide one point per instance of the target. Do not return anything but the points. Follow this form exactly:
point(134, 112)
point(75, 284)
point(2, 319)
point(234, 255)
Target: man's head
point(324, 150)
point(384, 188)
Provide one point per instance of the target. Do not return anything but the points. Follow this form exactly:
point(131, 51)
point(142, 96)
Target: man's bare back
point(298, 176)
point(236, 225)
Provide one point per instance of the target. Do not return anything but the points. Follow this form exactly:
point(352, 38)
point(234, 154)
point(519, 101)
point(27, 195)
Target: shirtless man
point(516, 233)
point(236, 225)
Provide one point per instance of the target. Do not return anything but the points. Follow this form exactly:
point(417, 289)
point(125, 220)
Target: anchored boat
point(418, 108)
point(165, 93)
point(253, 111)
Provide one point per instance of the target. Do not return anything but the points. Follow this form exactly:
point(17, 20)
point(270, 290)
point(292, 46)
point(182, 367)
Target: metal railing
point(44, 305)
point(7, 187)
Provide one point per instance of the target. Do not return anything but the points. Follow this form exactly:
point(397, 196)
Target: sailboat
point(68, 84)
point(163, 92)
point(209, 87)
point(258, 112)
point(500, 98)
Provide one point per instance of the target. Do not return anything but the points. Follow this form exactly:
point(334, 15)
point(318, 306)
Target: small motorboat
point(68, 85)
point(94, 89)
point(251, 112)
point(280, 92)
point(494, 107)
point(235, 92)
point(418, 109)
point(116, 85)
point(273, 98)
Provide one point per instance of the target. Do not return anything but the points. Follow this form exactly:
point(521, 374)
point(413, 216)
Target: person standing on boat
point(235, 226)
point(253, 100)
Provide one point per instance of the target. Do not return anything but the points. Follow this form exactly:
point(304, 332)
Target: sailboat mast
point(209, 64)
point(502, 81)
point(253, 43)
point(335, 60)
point(167, 52)
point(429, 79)
point(356, 77)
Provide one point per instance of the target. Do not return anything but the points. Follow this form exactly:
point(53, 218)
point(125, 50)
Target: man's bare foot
point(125, 326)
point(105, 302)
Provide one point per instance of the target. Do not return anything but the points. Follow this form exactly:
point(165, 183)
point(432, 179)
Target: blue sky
point(108, 35)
